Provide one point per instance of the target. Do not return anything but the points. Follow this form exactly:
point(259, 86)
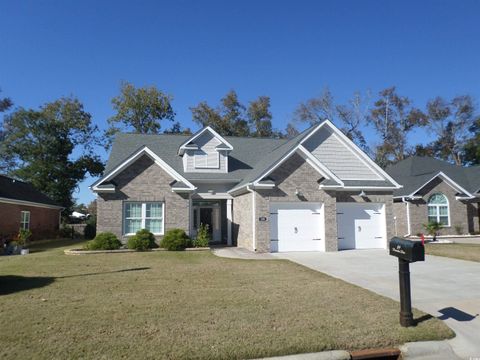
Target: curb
point(428, 350)
point(324, 355)
point(121, 251)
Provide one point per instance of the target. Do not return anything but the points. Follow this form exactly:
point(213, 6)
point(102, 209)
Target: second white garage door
point(297, 227)
point(361, 226)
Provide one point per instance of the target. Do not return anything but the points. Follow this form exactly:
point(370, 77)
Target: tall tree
point(260, 117)
point(393, 117)
point(472, 147)
point(177, 129)
point(5, 161)
point(350, 117)
point(140, 110)
point(451, 121)
point(53, 147)
point(228, 119)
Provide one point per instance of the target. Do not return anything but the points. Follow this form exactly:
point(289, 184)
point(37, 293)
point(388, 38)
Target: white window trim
point(143, 216)
point(203, 153)
point(437, 206)
point(24, 222)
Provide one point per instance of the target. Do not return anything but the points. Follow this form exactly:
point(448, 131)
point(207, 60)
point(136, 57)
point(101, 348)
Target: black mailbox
point(408, 250)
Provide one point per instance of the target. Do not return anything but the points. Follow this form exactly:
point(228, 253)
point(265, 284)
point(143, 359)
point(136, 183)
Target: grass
point(174, 305)
point(458, 251)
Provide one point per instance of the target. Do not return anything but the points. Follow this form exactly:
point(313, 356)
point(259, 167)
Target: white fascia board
point(145, 150)
point(28, 203)
point(213, 132)
point(448, 180)
point(377, 169)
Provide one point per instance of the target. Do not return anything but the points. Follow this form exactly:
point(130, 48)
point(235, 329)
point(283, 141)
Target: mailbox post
point(407, 251)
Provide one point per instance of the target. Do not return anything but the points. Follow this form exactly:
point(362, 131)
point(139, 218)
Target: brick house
point(24, 207)
point(435, 190)
point(315, 192)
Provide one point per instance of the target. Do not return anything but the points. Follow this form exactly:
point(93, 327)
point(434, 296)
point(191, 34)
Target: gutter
point(409, 229)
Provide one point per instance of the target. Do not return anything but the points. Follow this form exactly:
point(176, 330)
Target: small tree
point(203, 236)
point(432, 228)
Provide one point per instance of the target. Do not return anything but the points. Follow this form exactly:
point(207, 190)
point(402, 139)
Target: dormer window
point(204, 160)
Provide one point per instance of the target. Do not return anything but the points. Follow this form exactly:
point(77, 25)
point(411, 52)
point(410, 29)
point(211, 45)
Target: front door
point(208, 215)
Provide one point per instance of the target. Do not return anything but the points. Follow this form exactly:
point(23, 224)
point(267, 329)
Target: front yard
point(458, 251)
point(186, 305)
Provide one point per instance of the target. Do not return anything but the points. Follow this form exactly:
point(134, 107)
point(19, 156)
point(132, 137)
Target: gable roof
point(416, 172)
point(190, 143)
point(16, 190)
point(249, 159)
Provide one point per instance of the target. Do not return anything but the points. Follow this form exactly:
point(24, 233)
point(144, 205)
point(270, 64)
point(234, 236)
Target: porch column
point(229, 222)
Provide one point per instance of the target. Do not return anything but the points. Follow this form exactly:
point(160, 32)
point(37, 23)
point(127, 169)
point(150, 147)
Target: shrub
point(175, 239)
point(104, 241)
point(432, 228)
point(142, 240)
point(66, 232)
point(23, 237)
point(203, 237)
point(90, 230)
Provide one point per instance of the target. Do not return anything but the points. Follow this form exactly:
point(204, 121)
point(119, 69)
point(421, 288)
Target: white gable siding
point(341, 160)
point(215, 160)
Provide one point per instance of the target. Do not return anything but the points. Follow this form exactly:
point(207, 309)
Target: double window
point(143, 215)
point(438, 210)
point(205, 160)
point(25, 220)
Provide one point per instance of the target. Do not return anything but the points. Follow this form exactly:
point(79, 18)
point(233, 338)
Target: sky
point(199, 50)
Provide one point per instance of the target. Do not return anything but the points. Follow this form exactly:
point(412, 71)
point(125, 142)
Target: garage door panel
point(361, 226)
point(297, 227)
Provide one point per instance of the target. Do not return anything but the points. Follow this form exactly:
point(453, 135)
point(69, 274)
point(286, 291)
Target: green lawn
point(458, 251)
point(175, 305)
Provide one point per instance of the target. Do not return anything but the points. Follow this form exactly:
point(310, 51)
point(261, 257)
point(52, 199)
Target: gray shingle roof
point(246, 153)
point(415, 171)
point(18, 190)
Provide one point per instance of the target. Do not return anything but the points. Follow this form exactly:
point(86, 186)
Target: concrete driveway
point(446, 288)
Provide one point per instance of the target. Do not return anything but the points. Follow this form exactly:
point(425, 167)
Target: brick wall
point(458, 210)
point(401, 224)
point(43, 221)
point(295, 174)
point(142, 181)
point(242, 220)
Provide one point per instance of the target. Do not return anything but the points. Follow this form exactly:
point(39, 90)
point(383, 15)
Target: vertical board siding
point(327, 148)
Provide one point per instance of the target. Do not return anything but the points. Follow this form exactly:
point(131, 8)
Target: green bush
point(432, 228)
point(142, 240)
point(23, 237)
point(203, 237)
point(104, 241)
point(90, 230)
point(175, 239)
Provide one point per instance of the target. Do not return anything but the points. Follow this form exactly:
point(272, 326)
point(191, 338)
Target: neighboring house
point(317, 191)
point(435, 190)
point(24, 207)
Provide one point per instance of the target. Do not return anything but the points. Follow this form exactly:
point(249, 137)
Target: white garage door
point(297, 227)
point(361, 226)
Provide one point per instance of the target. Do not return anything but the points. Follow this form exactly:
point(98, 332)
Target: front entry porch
point(217, 215)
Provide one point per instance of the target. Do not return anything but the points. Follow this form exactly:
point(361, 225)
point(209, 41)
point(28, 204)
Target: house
point(315, 192)
point(24, 207)
point(435, 190)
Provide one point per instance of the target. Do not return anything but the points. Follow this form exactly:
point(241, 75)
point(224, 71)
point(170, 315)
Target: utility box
point(407, 250)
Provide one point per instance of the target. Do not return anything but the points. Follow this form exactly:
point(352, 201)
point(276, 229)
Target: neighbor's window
point(25, 220)
point(438, 209)
point(139, 215)
point(206, 160)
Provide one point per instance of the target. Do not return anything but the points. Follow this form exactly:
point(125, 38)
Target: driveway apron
point(446, 288)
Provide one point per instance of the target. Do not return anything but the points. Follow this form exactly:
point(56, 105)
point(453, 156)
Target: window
point(139, 216)
point(25, 220)
point(438, 209)
point(206, 160)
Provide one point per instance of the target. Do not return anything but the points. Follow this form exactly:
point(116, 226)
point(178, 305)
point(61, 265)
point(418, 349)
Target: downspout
point(254, 237)
point(408, 216)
